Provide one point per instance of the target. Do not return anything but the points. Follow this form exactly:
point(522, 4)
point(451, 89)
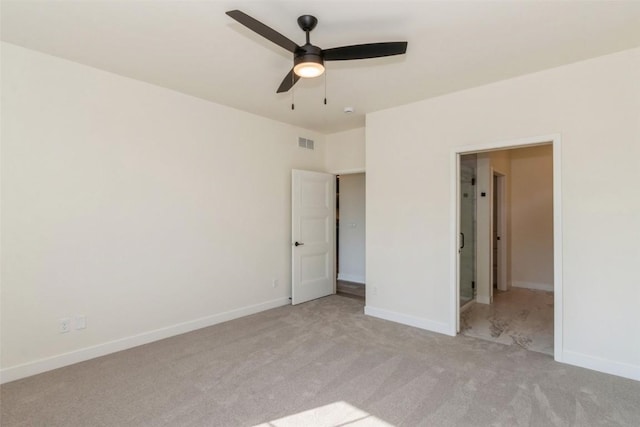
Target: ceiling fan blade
point(266, 32)
point(363, 51)
point(288, 82)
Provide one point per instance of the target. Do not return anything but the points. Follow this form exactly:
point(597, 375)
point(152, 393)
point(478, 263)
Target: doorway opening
point(350, 235)
point(499, 235)
point(507, 240)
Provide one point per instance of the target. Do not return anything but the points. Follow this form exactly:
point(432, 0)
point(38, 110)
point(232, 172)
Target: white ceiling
point(193, 47)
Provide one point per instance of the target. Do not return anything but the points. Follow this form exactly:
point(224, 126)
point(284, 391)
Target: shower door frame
point(467, 242)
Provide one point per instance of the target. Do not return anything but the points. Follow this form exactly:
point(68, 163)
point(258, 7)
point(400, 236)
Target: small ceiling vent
point(305, 143)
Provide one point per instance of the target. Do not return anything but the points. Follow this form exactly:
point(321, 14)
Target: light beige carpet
point(322, 363)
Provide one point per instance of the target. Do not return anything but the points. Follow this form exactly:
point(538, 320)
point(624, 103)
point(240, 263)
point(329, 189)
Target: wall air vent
point(305, 143)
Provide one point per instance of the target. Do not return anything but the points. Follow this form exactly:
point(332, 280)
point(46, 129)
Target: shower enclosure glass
point(467, 228)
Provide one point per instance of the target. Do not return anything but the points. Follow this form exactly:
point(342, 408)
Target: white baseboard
point(60, 360)
point(625, 370)
point(405, 319)
point(351, 278)
point(531, 285)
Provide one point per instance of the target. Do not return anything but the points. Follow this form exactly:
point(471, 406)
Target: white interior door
point(313, 215)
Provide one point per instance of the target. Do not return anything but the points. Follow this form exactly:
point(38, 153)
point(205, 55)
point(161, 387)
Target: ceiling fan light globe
point(308, 69)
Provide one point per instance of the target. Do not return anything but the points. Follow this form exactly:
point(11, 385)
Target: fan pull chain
point(293, 99)
point(325, 87)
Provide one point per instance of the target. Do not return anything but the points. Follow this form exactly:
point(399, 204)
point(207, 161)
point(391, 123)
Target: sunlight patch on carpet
point(332, 415)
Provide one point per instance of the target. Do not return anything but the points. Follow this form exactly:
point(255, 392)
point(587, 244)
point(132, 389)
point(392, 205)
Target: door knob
point(298, 244)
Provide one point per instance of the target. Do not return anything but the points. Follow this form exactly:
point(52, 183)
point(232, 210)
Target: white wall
point(595, 106)
point(501, 165)
point(488, 162)
point(351, 237)
point(483, 229)
point(532, 217)
point(148, 211)
point(345, 151)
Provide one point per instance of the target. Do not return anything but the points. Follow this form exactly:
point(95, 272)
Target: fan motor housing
point(308, 53)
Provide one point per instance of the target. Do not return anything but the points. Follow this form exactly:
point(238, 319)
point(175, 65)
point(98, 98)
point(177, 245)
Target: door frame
point(454, 285)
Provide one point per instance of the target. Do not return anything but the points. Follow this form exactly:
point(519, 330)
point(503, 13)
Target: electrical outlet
point(64, 325)
point(81, 322)
point(275, 283)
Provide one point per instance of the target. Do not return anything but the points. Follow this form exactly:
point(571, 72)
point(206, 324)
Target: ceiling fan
point(308, 60)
